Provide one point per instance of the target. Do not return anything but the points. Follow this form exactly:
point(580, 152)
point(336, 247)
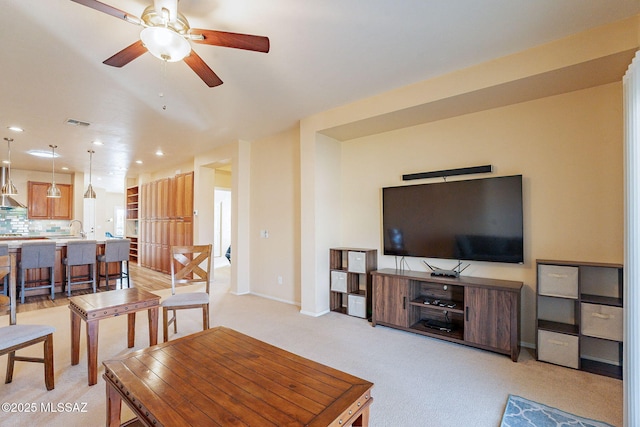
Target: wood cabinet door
point(37, 201)
point(390, 303)
point(143, 205)
point(39, 206)
point(488, 317)
point(171, 203)
point(163, 198)
point(184, 195)
point(62, 208)
point(188, 195)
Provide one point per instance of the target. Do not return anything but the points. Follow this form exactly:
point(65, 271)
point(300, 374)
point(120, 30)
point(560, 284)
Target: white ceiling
point(323, 54)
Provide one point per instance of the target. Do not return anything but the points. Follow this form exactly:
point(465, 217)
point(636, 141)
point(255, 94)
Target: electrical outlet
point(279, 280)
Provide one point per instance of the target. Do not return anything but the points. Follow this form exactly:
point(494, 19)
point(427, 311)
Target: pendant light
point(53, 191)
point(90, 194)
point(8, 189)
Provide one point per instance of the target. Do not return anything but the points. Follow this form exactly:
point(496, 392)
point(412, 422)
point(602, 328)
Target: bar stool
point(35, 255)
point(115, 250)
point(80, 252)
point(4, 250)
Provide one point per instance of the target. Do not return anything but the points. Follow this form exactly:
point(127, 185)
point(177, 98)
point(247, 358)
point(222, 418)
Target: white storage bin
point(338, 281)
point(357, 306)
point(601, 321)
point(558, 348)
point(357, 262)
point(558, 281)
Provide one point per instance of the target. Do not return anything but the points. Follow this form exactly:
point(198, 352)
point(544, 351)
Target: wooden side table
point(94, 307)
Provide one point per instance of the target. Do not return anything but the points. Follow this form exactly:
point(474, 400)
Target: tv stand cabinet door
point(488, 319)
point(390, 304)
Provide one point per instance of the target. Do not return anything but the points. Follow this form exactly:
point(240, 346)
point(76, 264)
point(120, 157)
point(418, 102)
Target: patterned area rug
point(521, 412)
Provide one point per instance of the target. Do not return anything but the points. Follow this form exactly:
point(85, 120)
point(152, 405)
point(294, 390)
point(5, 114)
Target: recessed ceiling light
point(139, 162)
point(97, 142)
point(6, 162)
point(42, 153)
point(159, 153)
point(15, 128)
point(64, 168)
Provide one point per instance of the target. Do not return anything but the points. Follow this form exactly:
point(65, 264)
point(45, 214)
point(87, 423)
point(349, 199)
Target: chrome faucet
point(83, 234)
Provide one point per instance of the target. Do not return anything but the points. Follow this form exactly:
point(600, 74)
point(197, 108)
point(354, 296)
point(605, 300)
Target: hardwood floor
point(141, 277)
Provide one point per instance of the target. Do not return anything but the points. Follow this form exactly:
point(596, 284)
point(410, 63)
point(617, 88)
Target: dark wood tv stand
point(479, 312)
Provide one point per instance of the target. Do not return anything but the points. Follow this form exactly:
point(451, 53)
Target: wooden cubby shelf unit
point(580, 315)
point(478, 312)
point(350, 281)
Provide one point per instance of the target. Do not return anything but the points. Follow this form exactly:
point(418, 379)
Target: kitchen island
point(15, 246)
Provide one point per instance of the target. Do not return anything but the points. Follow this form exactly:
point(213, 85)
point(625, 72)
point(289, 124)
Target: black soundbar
point(448, 172)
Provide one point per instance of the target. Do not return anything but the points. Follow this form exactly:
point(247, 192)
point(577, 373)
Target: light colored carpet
point(418, 381)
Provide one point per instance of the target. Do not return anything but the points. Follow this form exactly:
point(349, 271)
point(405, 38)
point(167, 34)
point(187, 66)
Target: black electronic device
point(471, 220)
point(438, 325)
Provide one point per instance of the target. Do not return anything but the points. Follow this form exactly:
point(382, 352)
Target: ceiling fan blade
point(234, 40)
point(126, 55)
point(109, 10)
point(202, 70)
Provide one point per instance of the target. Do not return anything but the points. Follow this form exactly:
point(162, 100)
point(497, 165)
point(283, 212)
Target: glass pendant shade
point(8, 189)
point(53, 191)
point(90, 194)
point(165, 43)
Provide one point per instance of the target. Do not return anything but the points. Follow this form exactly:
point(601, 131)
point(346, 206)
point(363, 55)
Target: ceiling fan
point(166, 35)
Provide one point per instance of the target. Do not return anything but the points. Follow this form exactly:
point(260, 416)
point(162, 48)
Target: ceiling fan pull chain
point(163, 82)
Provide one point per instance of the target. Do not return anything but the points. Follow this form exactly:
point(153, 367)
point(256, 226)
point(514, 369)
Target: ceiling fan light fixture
point(165, 43)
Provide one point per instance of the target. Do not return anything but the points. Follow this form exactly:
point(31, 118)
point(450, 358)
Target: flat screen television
point(471, 220)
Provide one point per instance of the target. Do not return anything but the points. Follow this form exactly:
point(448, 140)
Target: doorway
point(222, 223)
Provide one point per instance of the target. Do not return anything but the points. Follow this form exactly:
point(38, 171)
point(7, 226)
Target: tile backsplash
point(15, 221)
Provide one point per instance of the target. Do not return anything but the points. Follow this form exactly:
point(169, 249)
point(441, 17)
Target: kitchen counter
point(15, 245)
point(15, 242)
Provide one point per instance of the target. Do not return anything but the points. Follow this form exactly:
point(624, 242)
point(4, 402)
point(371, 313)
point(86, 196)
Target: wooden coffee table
point(221, 377)
point(94, 307)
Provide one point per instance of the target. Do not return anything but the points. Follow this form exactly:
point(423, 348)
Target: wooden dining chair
point(189, 265)
point(15, 337)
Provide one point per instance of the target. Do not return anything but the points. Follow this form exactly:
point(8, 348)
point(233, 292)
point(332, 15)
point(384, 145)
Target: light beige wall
point(170, 172)
point(275, 209)
point(223, 178)
point(568, 149)
point(576, 58)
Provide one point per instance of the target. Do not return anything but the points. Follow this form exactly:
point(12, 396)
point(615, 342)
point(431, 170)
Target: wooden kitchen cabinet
point(166, 208)
point(39, 206)
point(184, 195)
